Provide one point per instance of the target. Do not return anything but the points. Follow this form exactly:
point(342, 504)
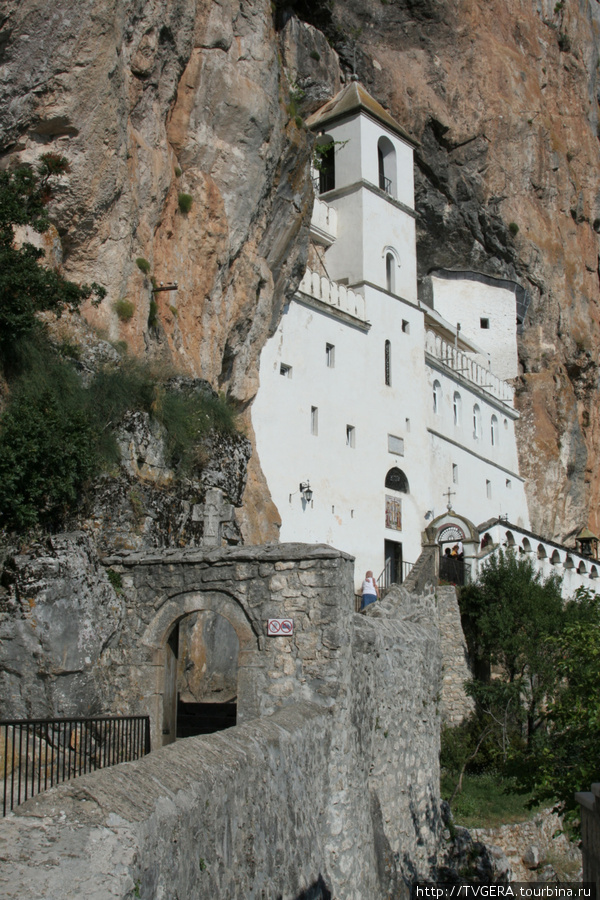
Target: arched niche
point(387, 167)
point(510, 539)
point(555, 558)
point(396, 480)
point(582, 568)
point(526, 545)
point(541, 552)
point(437, 397)
point(568, 563)
point(593, 572)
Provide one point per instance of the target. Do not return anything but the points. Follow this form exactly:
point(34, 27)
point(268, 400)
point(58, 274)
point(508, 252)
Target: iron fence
point(36, 754)
point(393, 573)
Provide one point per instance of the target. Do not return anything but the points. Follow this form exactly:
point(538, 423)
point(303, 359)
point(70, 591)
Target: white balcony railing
point(465, 365)
point(323, 224)
point(335, 295)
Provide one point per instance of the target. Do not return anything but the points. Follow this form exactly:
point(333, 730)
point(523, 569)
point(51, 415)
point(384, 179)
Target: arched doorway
point(207, 674)
point(203, 686)
point(396, 484)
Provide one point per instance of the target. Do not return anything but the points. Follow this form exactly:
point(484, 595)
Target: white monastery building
point(376, 410)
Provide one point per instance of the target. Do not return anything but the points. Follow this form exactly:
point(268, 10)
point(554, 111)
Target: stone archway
point(170, 637)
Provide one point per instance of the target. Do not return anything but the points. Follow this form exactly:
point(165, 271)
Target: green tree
point(508, 615)
point(568, 757)
point(26, 287)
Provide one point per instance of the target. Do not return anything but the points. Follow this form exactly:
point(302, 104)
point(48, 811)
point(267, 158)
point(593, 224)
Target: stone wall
point(590, 833)
point(456, 703)
point(329, 783)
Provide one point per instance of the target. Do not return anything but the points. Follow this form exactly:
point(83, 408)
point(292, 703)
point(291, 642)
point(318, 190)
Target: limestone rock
point(58, 614)
point(532, 857)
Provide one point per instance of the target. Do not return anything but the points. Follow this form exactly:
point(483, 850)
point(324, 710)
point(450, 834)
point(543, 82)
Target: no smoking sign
point(280, 627)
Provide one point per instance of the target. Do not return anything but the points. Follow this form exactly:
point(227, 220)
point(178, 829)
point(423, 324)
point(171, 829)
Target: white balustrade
point(465, 365)
point(324, 221)
point(333, 294)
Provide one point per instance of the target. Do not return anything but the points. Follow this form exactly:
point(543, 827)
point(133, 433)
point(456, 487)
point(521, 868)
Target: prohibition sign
point(278, 627)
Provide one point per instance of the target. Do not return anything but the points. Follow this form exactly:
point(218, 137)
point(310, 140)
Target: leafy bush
point(124, 308)
point(185, 202)
point(178, 172)
point(47, 445)
point(56, 434)
point(143, 265)
point(27, 288)
point(513, 228)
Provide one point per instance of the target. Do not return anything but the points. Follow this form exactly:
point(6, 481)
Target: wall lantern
point(306, 491)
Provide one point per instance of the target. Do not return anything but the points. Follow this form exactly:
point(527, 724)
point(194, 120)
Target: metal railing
point(454, 570)
point(36, 754)
point(469, 368)
point(389, 575)
point(385, 184)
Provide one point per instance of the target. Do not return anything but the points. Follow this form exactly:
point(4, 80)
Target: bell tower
point(366, 174)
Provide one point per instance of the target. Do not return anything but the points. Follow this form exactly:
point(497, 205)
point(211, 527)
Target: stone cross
point(215, 513)
point(449, 494)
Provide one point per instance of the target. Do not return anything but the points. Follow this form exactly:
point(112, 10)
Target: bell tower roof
point(352, 99)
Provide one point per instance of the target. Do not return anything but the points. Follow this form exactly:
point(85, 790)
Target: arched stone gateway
point(168, 636)
point(168, 593)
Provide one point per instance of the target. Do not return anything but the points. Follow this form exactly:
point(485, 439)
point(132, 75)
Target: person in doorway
point(370, 591)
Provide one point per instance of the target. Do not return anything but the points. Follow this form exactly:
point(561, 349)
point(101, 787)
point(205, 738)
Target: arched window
point(325, 163)
point(476, 422)
point(494, 431)
point(388, 363)
point(437, 397)
point(390, 273)
point(386, 160)
point(456, 406)
point(396, 480)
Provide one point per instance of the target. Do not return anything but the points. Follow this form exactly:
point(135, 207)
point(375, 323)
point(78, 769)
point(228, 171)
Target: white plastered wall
point(477, 460)
point(348, 508)
point(468, 301)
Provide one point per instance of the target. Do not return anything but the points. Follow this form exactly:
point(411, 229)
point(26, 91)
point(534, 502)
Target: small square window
point(350, 436)
point(509, 484)
point(454, 473)
point(405, 326)
point(488, 489)
point(395, 445)
point(314, 420)
point(330, 355)
point(286, 371)
point(484, 323)
point(407, 424)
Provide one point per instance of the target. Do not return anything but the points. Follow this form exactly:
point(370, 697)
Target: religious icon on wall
point(393, 513)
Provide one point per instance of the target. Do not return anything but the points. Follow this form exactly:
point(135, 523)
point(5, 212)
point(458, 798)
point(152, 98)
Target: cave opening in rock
point(201, 676)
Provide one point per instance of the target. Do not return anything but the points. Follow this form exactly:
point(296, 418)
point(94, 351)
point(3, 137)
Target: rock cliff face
point(151, 100)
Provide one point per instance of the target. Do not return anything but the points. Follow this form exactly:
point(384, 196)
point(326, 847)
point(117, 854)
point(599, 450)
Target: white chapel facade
point(383, 404)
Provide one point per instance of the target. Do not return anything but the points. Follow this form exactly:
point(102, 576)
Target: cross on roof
point(449, 494)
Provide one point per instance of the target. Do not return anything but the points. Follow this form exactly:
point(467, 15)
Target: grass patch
point(185, 202)
point(152, 313)
point(487, 799)
point(143, 265)
point(124, 308)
